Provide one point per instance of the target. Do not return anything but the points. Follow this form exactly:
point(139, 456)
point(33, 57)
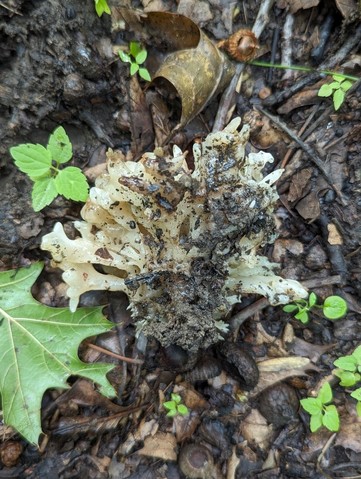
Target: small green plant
point(101, 6)
point(175, 406)
point(334, 307)
point(42, 165)
point(322, 412)
point(348, 371)
point(337, 89)
point(136, 57)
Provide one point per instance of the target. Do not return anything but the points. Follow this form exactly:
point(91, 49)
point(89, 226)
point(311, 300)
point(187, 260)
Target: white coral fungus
point(181, 244)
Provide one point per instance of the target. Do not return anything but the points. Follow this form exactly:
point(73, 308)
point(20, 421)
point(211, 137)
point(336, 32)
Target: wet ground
point(58, 67)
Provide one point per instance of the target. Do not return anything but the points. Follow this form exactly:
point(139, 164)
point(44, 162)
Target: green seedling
point(348, 371)
point(334, 307)
point(136, 57)
point(42, 165)
point(175, 406)
point(337, 89)
point(101, 6)
point(321, 411)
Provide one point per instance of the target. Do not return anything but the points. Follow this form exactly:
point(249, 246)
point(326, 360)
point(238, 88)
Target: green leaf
point(39, 349)
point(101, 6)
point(141, 57)
point(316, 422)
point(334, 307)
point(290, 308)
point(335, 85)
point(124, 57)
point(347, 378)
point(134, 67)
point(330, 418)
point(176, 398)
point(338, 98)
point(356, 394)
point(144, 73)
point(348, 363)
point(34, 160)
point(346, 85)
point(312, 300)
point(182, 410)
point(71, 183)
point(358, 408)
point(312, 405)
point(302, 316)
point(170, 405)
point(325, 393)
point(325, 90)
point(60, 146)
point(357, 355)
point(338, 78)
point(172, 413)
point(135, 48)
point(44, 192)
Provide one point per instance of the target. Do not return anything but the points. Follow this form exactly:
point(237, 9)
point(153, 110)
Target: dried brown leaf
point(194, 66)
point(161, 445)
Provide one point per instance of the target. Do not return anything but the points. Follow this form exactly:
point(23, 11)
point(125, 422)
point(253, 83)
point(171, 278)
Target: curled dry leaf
point(193, 66)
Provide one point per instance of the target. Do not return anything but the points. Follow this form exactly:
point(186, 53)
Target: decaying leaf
point(162, 446)
point(39, 350)
point(193, 66)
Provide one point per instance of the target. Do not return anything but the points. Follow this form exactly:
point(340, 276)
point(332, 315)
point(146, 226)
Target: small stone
point(316, 258)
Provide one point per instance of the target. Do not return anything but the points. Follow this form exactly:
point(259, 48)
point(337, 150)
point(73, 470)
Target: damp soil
point(58, 67)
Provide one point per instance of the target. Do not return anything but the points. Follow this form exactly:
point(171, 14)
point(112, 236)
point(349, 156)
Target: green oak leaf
point(60, 146)
point(71, 183)
point(43, 193)
point(39, 350)
point(34, 160)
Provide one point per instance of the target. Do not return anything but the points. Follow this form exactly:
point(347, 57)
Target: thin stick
point(228, 97)
point(114, 355)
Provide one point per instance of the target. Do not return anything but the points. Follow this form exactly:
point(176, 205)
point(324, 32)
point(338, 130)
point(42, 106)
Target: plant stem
point(301, 68)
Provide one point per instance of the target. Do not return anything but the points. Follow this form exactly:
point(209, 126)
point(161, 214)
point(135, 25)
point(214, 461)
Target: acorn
point(242, 46)
point(195, 462)
point(10, 453)
point(279, 404)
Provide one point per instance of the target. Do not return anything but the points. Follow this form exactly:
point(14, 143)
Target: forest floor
point(59, 66)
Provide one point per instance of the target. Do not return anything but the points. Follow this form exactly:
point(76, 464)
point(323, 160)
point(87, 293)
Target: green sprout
point(321, 411)
point(136, 57)
point(334, 307)
point(101, 6)
point(175, 406)
point(337, 89)
point(348, 371)
point(42, 165)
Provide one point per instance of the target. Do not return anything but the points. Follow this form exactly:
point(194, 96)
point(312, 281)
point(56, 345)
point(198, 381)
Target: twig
point(228, 97)
point(114, 355)
point(305, 147)
point(287, 35)
point(334, 60)
point(11, 9)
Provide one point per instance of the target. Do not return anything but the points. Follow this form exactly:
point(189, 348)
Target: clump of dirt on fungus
point(181, 244)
